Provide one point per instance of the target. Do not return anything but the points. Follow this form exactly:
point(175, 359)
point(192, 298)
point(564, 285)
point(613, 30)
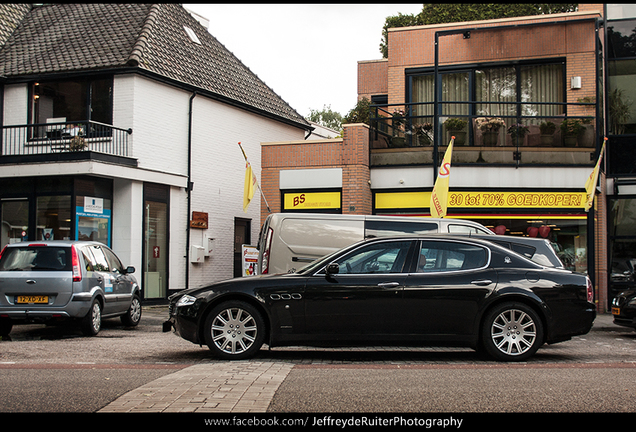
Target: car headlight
point(632, 302)
point(186, 300)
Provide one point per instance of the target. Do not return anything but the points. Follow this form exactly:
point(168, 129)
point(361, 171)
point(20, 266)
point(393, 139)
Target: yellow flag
point(590, 184)
point(439, 197)
point(250, 186)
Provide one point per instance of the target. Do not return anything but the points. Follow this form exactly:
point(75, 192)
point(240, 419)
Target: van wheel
point(234, 330)
point(132, 317)
point(92, 322)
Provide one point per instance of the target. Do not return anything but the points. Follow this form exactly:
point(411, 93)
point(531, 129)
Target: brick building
point(503, 82)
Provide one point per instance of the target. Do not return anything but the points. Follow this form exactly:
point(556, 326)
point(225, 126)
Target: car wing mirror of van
point(130, 269)
point(332, 269)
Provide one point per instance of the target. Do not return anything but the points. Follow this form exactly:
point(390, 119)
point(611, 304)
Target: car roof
point(59, 243)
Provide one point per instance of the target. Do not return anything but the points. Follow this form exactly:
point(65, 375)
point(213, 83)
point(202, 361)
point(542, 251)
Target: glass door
point(155, 271)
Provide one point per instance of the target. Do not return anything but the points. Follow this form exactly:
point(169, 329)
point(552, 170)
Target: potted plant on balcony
point(518, 133)
point(397, 121)
point(571, 129)
point(423, 133)
point(457, 128)
point(547, 130)
point(489, 127)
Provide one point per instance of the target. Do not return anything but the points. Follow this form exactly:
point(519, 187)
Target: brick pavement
point(242, 386)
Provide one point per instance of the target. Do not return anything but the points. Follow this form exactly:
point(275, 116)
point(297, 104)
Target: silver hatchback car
point(42, 282)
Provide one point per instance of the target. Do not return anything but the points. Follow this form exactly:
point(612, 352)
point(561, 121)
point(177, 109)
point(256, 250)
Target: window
point(445, 256)
point(385, 257)
point(73, 101)
point(622, 71)
point(388, 228)
point(497, 91)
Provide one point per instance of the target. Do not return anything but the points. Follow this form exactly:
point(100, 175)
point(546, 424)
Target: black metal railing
point(46, 138)
point(552, 139)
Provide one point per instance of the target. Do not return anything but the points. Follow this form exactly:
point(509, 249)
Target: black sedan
point(624, 309)
point(416, 290)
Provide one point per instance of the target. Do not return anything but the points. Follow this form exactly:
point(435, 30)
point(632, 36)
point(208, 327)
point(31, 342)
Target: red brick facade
point(350, 153)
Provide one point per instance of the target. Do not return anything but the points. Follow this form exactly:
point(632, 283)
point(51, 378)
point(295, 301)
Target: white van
point(289, 241)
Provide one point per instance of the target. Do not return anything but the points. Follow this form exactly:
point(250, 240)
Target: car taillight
point(77, 270)
point(590, 290)
point(266, 251)
point(1, 252)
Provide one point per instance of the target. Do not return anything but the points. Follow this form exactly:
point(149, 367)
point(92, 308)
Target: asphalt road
point(57, 370)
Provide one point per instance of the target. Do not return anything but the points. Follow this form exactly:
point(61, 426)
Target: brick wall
point(351, 153)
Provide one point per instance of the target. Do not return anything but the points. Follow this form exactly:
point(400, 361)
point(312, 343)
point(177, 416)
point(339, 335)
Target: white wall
point(219, 174)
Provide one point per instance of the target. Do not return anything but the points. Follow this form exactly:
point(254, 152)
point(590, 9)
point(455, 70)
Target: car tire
point(92, 322)
point(5, 327)
point(512, 332)
point(132, 317)
point(234, 330)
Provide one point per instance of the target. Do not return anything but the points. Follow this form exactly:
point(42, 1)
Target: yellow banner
point(484, 200)
point(312, 200)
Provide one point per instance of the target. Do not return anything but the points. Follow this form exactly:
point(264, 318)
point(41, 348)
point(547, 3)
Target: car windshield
point(45, 258)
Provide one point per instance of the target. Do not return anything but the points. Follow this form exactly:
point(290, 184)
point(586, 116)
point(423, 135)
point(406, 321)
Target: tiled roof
point(81, 37)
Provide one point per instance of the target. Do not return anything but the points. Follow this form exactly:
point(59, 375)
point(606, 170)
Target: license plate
point(616, 311)
point(32, 299)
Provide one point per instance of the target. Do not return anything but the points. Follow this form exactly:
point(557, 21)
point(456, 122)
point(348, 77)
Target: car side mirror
point(130, 269)
point(332, 268)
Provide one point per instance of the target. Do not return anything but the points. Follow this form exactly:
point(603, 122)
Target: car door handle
point(482, 282)
point(30, 281)
point(388, 285)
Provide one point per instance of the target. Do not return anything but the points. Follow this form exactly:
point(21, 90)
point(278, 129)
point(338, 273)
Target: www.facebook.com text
point(340, 422)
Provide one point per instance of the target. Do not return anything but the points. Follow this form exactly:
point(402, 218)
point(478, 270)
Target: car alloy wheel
point(234, 330)
point(132, 317)
point(92, 322)
point(512, 332)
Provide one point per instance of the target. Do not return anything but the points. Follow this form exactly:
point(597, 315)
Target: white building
point(121, 122)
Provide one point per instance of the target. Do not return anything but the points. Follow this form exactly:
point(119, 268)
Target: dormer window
point(193, 37)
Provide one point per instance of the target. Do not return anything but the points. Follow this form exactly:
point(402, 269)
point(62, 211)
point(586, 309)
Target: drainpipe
point(189, 192)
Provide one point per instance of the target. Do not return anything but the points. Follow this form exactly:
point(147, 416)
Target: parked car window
point(445, 256)
point(36, 259)
point(115, 263)
point(463, 229)
point(386, 257)
point(100, 263)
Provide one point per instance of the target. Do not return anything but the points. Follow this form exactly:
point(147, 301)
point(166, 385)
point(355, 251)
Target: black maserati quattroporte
point(419, 290)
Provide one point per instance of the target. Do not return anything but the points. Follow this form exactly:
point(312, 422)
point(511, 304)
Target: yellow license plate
point(32, 299)
point(616, 311)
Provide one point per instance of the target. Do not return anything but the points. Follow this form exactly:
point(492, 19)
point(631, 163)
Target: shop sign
point(492, 200)
point(250, 260)
point(199, 220)
point(93, 205)
point(312, 200)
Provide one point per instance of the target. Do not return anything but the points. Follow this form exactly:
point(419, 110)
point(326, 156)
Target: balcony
point(60, 141)
point(401, 137)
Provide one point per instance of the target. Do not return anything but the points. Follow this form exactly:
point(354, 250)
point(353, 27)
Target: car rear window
point(38, 258)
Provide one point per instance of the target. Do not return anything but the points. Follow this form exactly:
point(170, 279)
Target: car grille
point(618, 301)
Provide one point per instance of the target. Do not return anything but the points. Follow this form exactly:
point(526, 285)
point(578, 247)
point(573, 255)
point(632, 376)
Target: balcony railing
point(399, 136)
point(49, 138)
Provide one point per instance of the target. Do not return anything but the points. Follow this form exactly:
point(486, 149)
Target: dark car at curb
point(624, 309)
point(413, 290)
point(56, 281)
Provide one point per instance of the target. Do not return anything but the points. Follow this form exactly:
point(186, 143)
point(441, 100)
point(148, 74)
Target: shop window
point(15, 221)
point(93, 217)
point(53, 217)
